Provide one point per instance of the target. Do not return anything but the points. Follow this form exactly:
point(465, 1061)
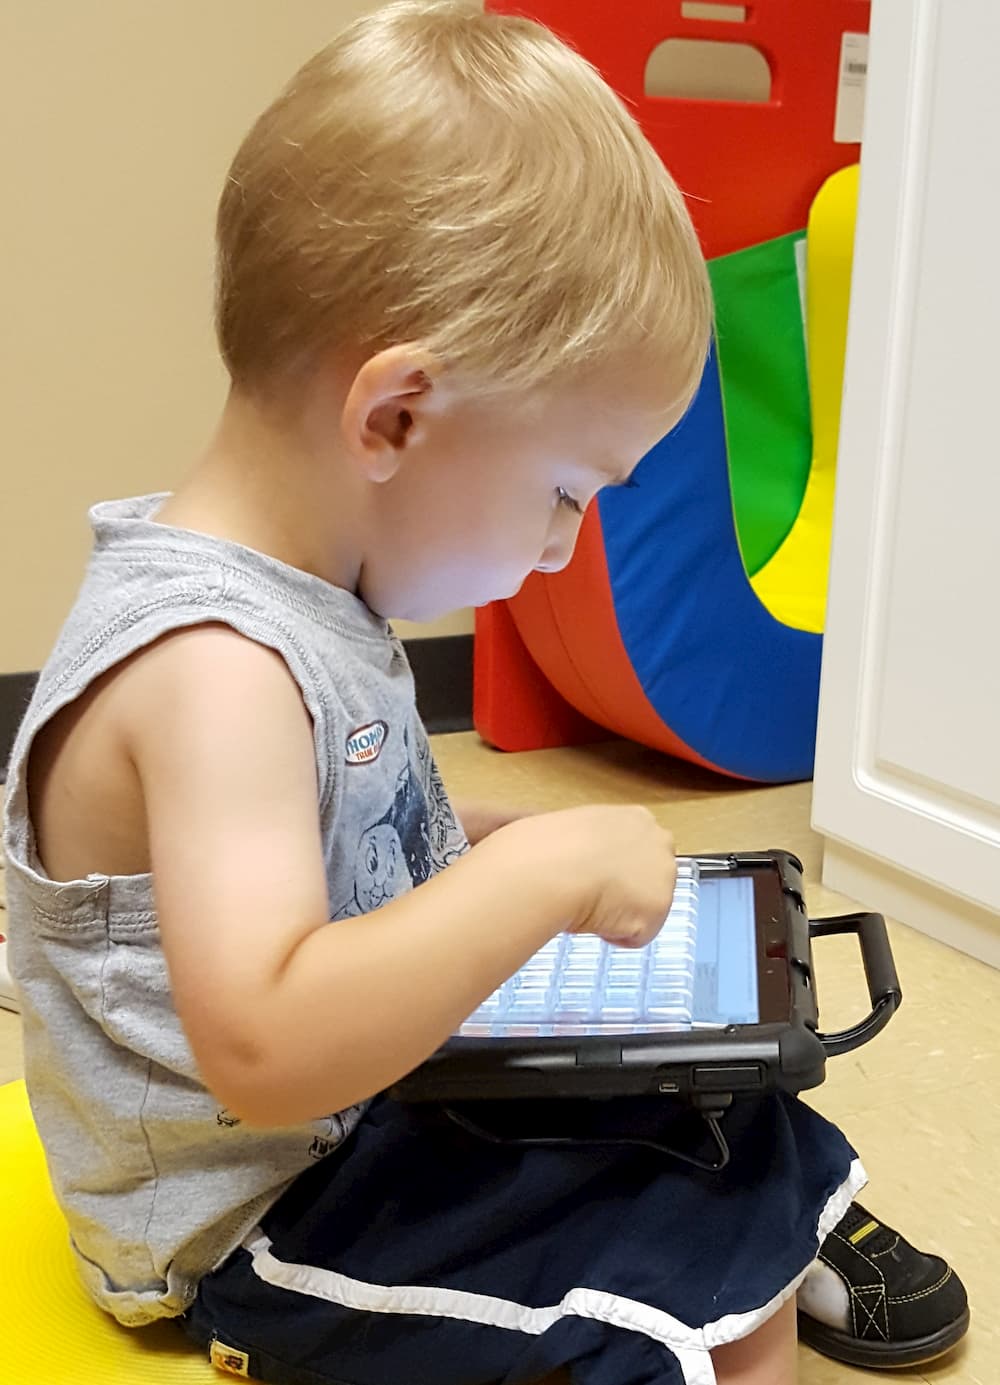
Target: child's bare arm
point(479, 818)
point(290, 1017)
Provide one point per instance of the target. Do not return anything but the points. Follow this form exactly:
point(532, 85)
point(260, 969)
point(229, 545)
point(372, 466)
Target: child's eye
point(564, 498)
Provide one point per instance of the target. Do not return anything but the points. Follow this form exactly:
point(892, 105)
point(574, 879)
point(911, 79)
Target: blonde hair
point(465, 181)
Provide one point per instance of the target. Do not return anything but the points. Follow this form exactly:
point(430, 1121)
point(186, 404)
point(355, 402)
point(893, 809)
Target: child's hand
point(615, 864)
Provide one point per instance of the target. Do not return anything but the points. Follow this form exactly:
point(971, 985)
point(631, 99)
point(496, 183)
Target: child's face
point(497, 490)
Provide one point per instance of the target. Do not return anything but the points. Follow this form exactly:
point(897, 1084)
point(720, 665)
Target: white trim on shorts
point(690, 1345)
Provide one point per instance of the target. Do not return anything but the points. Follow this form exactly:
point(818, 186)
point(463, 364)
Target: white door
point(908, 760)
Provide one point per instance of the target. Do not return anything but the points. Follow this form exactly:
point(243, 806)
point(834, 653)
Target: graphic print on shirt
point(446, 836)
point(394, 853)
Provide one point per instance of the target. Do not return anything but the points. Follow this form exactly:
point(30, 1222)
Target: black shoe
point(906, 1307)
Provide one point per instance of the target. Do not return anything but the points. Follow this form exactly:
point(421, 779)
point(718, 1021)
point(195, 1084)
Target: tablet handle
point(880, 971)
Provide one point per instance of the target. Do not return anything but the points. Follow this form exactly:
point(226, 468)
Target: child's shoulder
point(196, 693)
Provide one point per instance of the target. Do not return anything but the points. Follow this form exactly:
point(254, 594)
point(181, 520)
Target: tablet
point(722, 1001)
point(711, 964)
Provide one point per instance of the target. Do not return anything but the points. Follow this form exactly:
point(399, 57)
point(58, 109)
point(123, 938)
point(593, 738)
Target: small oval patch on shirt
point(365, 744)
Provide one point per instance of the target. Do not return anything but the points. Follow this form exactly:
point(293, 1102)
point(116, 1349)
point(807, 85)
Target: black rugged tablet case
point(708, 1068)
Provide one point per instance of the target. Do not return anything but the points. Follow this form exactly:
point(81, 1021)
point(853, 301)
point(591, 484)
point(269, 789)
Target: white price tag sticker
point(850, 117)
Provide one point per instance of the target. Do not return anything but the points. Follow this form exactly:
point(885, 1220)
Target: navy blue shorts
point(419, 1254)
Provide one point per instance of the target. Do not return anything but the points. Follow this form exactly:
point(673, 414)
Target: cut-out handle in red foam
point(750, 169)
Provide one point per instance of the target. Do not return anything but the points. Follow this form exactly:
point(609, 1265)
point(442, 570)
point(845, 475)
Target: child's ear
point(386, 408)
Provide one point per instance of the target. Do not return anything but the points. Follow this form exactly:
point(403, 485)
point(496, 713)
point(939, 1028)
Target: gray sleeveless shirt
point(157, 1182)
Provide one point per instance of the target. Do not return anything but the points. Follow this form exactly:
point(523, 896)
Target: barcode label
point(852, 79)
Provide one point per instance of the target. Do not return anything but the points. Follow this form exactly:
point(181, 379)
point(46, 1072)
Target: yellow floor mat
point(52, 1333)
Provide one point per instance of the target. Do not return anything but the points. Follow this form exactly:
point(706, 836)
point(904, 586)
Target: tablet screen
point(701, 971)
point(725, 970)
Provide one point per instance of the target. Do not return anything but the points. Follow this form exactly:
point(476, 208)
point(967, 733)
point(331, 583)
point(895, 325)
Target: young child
point(457, 295)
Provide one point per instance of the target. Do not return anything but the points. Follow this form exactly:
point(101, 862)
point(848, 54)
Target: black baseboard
point(15, 694)
point(442, 671)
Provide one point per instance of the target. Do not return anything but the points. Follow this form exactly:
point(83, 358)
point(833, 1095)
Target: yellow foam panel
point(793, 584)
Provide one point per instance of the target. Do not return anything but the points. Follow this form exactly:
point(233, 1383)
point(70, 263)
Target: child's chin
point(457, 600)
point(504, 595)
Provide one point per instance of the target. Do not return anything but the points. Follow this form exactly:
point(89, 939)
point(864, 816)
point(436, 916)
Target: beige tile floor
point(920, 1103)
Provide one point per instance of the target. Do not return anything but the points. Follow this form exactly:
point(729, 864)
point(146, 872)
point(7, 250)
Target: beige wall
point(119, 119)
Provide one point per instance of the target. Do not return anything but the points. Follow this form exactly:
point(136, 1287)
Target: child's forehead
point(640, 394)
point(598, 430)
